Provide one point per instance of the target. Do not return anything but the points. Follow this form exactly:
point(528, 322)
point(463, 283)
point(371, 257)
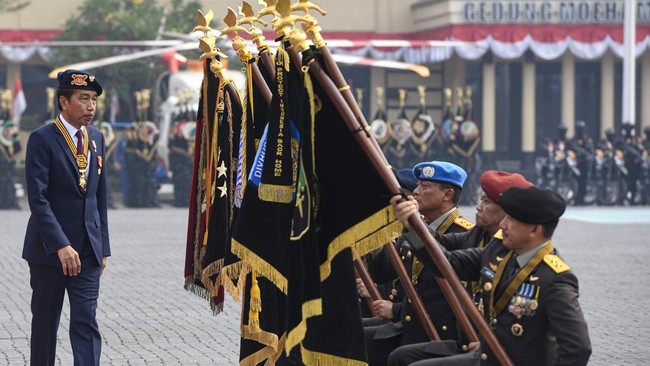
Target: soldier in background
point(632, 148)
point(9, 148)
point(131, 194)
point(181, 153)
point(583, 146)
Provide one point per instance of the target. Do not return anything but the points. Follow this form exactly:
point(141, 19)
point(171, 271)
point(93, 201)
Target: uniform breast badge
point(517, 330)
point(525, 301)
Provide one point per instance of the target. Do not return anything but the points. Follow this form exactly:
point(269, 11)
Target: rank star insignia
point(221, 170)
point(223, 189)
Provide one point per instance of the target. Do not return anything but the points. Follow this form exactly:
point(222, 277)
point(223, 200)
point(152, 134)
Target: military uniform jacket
point(62, 213)
point(527, 334)
point(423, 279)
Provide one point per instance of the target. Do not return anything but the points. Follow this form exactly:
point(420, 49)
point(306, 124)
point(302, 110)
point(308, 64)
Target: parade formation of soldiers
point(614, 170)
point(9, 148)
point(455, 139)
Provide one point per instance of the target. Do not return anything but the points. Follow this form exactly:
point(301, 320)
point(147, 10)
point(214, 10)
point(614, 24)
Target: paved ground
point(147, 318)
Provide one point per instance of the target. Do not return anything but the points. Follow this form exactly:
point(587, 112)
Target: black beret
point(78, 79)
point(407, 179)
point(532, 205)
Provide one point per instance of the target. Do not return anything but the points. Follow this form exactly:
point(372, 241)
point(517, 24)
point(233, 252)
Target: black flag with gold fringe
point(360, 221)
point(261, 233)
point(201, 204)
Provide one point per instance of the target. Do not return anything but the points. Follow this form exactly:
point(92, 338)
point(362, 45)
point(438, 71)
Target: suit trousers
point(49, 285)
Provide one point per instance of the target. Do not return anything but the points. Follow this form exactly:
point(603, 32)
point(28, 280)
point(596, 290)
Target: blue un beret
point(406, 179)
point(78, 79)
point(533, 205)
point(440, 171)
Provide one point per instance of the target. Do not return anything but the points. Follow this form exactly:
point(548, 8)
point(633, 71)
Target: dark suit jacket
point(61, 213)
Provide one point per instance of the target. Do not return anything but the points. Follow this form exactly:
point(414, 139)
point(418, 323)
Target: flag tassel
point(256, 305)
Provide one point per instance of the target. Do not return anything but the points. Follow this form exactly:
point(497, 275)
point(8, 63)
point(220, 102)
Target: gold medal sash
point(517, 281)
point(81, 159)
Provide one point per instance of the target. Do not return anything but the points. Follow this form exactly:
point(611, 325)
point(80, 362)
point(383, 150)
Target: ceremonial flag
point(352, 214)
point(19, 102)
point(214, 171)
point(261, 233)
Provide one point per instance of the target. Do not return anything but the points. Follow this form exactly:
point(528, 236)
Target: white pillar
point(489, 113)
point(528, 108)
point(569, 92)
point(645, 90)
point(606, 93)
point(629, 63)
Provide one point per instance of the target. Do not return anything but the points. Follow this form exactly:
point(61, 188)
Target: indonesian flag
point(20, 103)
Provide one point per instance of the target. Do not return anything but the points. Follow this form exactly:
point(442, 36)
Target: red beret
point(495, 182)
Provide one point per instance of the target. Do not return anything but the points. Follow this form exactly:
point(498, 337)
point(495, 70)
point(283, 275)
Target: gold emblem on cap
point(92, 79)
point(517, 330)
point(79, 80)
point(487, 286)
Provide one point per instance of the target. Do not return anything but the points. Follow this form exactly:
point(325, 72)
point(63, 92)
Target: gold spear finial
point(231, 22)
point(248, 16)
point(269, 8)
point(204, 22)
point(285, 19)
point(306, 6)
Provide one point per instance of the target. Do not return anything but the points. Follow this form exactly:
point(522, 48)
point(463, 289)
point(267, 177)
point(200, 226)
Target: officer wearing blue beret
point(66, 241)
point(437, 192)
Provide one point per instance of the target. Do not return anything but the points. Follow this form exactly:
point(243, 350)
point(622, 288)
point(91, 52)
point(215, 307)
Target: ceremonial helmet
point(561, 131)
point(9, 133)
point(610, 134)
point(107, 130)
point(646, 130)
point(148, 131)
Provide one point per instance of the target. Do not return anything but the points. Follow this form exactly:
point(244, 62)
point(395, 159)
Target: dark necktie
point(80, 146)
point(508, 274)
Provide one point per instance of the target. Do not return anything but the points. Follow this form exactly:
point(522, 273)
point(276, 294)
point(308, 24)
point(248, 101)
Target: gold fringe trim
point(259, 265)
point(257, 357)
point(274, 358)
point(233, 279)
point(324, 359)
point(364, 237)
point(212, 269)
point(297, 334)
point(201, 292)
point(276, 193)
point(263, 337)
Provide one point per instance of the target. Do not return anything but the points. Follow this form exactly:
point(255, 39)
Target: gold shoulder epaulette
point(499, 235)
point(463, 223)
point(556, 263)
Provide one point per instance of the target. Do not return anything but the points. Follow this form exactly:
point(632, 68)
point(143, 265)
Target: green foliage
point(129, 20)
point(8, 6)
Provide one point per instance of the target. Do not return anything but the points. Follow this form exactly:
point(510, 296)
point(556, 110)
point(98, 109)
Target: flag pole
point(311, 27)
point(378, 161)
point(361, 272)
point(245, 55)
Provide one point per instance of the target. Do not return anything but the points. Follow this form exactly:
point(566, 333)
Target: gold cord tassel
point(256, 305)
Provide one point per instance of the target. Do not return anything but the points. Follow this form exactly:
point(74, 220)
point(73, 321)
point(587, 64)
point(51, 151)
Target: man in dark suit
point(66, 243)
point(530, 295)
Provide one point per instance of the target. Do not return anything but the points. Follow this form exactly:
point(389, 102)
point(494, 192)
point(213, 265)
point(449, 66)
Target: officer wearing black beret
point(530, 294)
